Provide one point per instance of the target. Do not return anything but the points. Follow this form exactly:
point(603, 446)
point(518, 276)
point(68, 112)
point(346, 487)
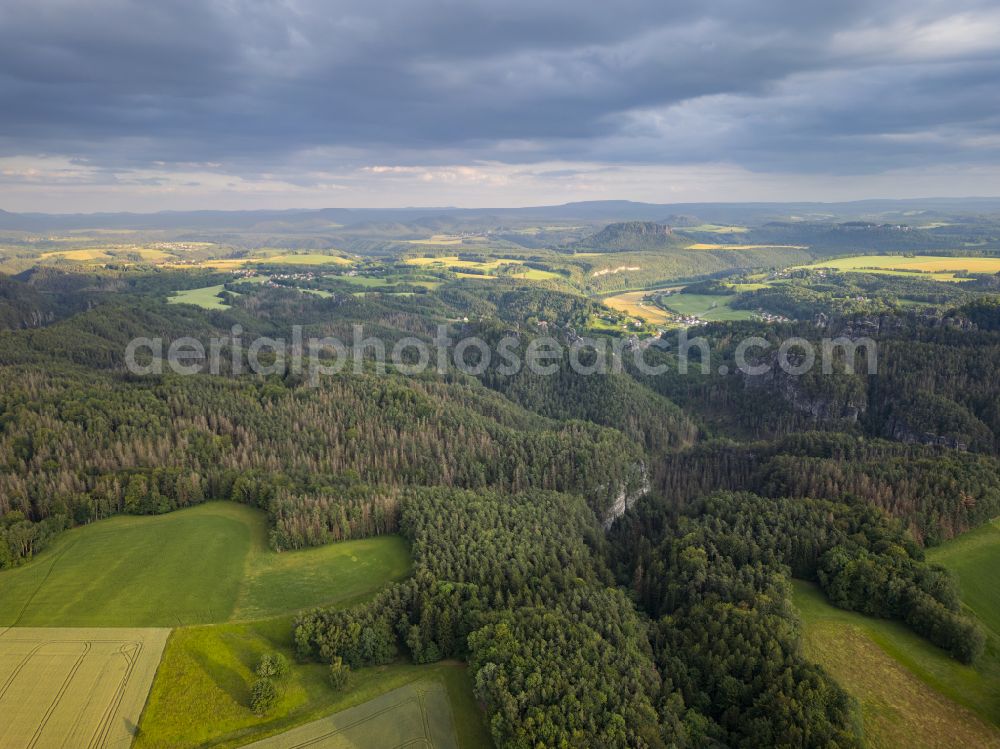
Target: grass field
point(202, 688)
point(937, 267)
point(417, 714)
point(739, 288)
point(208, 563)
point(207, 297)
point(975, 558)
point(303, 258)
point(910, 692)
point(75, 687)
point(336, 573)
point(537, 274)
point(708, 307)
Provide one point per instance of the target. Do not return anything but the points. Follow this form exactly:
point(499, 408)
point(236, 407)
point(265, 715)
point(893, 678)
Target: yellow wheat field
point(711, 246)
point(926, 263)
point(631, 304)
point(80, 688)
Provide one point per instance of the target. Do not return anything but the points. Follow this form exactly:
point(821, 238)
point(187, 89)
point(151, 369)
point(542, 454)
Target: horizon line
point(175, 211)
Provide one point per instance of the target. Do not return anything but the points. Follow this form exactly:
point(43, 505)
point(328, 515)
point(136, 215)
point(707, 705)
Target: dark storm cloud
point(780, 85)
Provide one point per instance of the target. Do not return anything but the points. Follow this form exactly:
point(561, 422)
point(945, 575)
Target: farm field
point(377, 282)
point(480, 269)
point(453, 261)
point(107, 254)
point(202, 689)
point(208, 563)
point(415, 714)
point(739, 288)
point(286, 258)
point(447, 239)
point(910, 692)
point(631, 303)
point(708, 307)
point(715, 229)
point(178, 256)
point(938, 267)
point(207, 297)
point(75, 687)
point(715, 246)
point(302, 258)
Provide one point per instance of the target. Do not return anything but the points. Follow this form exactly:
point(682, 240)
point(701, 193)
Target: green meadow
point(207, 297)
point(416, 714)
point(202, 689)
point(909, 692)
point(708, 307)
point(208, 563)
point(975, 558)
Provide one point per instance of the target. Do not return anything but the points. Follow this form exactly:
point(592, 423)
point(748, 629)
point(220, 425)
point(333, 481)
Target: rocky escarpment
point(630, 235)
point(627, 496)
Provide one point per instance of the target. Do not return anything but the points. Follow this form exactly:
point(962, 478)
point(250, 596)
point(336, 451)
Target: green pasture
point(910, 692)
point(208, 563)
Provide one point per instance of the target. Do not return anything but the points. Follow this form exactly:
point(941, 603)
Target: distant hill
point(848, 235)
point(588, 212)
point(630, 235)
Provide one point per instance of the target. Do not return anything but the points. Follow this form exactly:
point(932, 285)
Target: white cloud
point(483, 184)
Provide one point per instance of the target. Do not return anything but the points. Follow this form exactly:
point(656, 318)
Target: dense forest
point(610, 551)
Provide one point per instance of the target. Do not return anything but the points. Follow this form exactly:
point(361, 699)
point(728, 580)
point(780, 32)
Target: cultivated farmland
point(453, 261)
point(415, 715)
point(937, 267)
point(707, 307)
point(480, 268)
point(75, 687)
point(717, 246)
point(631, 303)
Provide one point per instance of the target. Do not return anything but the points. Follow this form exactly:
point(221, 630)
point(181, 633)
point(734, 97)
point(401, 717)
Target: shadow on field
point(226, 677)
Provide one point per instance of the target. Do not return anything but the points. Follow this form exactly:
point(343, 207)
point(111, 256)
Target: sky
point(115, 105)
